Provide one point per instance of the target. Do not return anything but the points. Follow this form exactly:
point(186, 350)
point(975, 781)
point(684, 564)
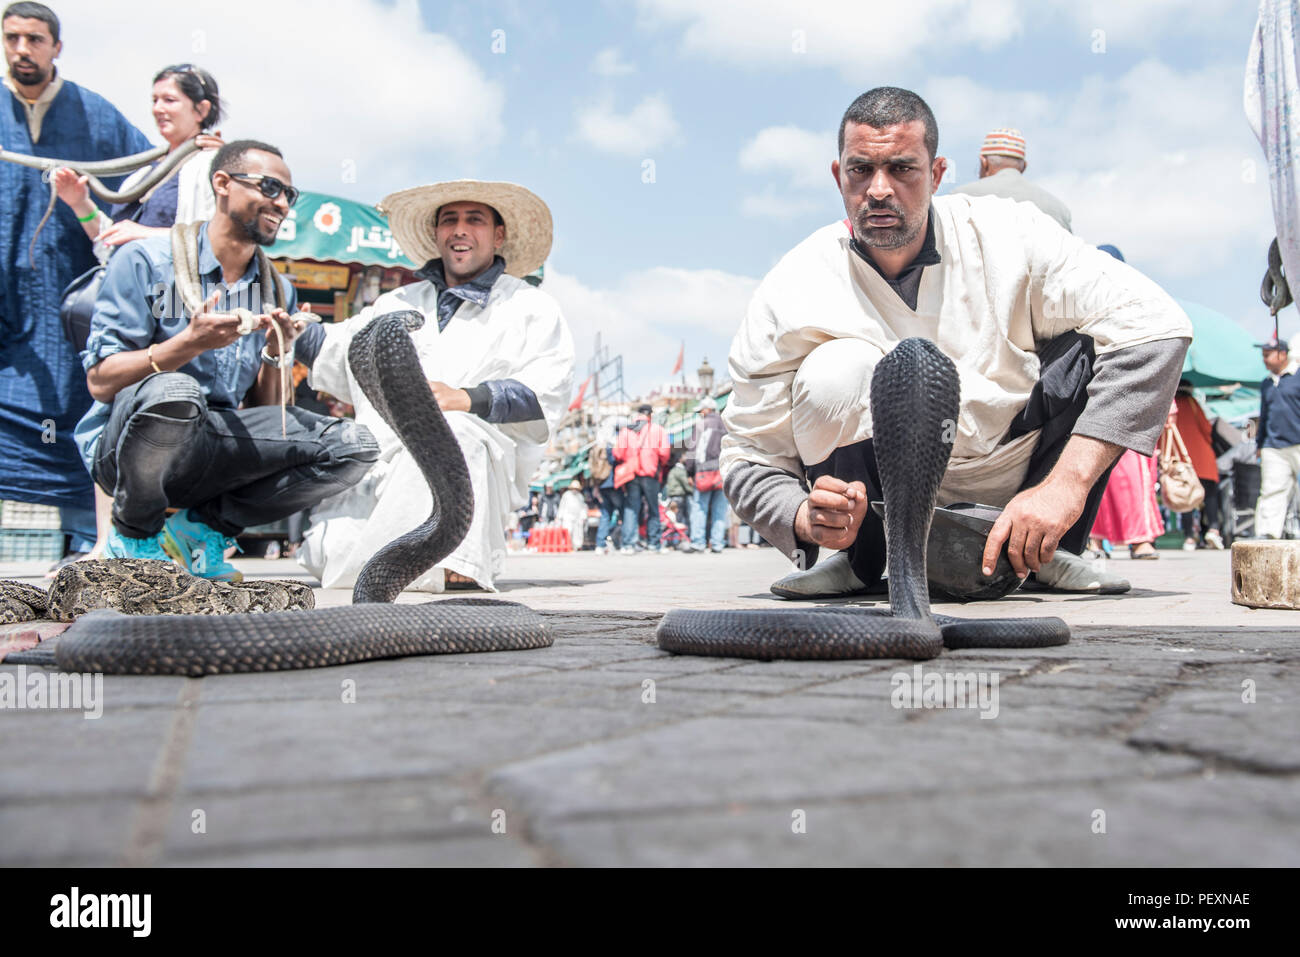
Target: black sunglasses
point(269, 186)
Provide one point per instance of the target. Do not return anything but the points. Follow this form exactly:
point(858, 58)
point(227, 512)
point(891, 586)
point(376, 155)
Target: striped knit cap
point(1004, 142)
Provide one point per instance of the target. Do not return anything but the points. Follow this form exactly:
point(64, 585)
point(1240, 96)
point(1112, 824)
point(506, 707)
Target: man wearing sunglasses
point(187, 405)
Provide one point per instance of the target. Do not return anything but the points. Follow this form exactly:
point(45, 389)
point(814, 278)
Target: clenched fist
point(832, 514)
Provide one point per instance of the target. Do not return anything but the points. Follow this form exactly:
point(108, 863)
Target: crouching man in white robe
point(498, 356)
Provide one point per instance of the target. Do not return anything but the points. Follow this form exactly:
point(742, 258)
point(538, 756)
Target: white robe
point(519, 334)
point(573, 516)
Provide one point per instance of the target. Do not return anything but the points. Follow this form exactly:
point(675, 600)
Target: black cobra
point(385, 364)
point(915, 397)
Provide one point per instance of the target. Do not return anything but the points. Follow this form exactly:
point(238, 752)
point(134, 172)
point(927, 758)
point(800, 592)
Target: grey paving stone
point(296, 818)
point(78, 832)
point(717, 761)
point(60, 754)
point(427, 675)
point(1231, 821)
point(282, 744)
point(494, 851)
point(1212, 720)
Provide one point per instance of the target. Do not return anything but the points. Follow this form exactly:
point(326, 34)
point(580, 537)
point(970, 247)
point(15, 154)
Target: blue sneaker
point(200, 549)
point(123, 546)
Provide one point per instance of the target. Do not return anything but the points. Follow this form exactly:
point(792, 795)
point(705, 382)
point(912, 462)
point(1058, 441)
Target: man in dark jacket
point(1278, 437)
point(709, 505)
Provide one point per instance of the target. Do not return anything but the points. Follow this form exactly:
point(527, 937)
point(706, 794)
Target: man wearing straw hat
point(498, 356)
point(1002, 167)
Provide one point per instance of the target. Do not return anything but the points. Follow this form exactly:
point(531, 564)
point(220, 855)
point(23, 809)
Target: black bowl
point(954, 553)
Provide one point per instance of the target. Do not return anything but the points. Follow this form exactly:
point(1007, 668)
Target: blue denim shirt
point(138, 304)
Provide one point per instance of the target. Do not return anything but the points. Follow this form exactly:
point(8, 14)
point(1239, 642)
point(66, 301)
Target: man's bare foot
point(458, 581)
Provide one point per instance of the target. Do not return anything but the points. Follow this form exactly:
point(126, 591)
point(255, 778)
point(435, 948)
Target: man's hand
point(832, 514)
point(211, 330)
point(1032, 524)
point(289, 327)
point(449, 399)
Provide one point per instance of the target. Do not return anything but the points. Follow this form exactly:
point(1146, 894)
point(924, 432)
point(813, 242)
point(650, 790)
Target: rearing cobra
point(915, 396)
point(386, 366)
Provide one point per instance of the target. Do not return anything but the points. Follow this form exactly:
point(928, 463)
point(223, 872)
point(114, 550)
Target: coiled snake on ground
point(385, 364)
point(915, 395)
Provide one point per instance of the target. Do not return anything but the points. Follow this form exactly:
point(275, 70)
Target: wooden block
point(1266, 574)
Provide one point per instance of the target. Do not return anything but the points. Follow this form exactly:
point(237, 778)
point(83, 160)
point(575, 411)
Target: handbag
point(708, 480)
point(77, 307)
point(624, 472)
point(1180, 488)
point(77, 302)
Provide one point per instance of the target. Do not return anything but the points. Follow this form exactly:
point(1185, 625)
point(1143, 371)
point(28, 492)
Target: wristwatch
point(278, 362)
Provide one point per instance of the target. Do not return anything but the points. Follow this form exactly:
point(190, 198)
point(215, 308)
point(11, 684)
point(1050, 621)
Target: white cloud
point(647, 314)
point(863, 40)
point(610, 62)
point(803, 157)
point(362, 102)
point(649, 126)
point(773, 204)
point(859, 39)
point(1146, 23)
point(1154, 160)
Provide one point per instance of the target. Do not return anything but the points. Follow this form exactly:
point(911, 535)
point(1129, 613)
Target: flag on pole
point(681, 357)
point(582, 391)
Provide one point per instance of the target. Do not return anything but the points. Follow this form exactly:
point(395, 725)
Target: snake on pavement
point(915, 398)
point(385, 364)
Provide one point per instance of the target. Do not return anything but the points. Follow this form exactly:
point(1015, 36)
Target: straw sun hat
point(411, 215)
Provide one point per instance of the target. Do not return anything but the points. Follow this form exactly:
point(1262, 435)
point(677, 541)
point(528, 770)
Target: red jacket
point(646, 448)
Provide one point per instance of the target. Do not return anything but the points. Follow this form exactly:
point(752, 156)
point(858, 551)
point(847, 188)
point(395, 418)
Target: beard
point(28, 74)
point(252, 232)
point(885, 237)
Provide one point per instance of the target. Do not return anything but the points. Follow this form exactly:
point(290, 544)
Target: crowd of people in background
point(639, 493)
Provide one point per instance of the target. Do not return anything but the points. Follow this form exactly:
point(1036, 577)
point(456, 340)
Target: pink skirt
point(1129, 513)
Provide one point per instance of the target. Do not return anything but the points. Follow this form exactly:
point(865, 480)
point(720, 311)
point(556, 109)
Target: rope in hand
point(185, 253)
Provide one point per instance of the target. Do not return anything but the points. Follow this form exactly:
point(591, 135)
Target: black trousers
point(163, 447)
point(1054, 406)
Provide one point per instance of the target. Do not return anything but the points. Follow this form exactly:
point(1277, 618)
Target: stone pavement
point(1165, 733)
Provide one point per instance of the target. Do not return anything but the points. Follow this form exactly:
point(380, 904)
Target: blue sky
point(1132, 112)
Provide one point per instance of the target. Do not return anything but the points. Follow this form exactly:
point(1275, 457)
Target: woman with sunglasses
point(185, 104)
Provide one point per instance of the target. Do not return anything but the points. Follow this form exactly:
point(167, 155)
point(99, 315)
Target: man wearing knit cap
point(1002, 167)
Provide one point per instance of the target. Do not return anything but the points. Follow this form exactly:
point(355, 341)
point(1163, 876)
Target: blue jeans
point(79, 523)
point(163, 447)
point(611, 504)
point(643, 486)
point(709, 511)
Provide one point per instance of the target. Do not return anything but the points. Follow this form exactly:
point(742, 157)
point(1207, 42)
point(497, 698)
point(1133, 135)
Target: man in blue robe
point(42, 384)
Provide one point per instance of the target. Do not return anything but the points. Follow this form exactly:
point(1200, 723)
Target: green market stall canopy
point(331, 229)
